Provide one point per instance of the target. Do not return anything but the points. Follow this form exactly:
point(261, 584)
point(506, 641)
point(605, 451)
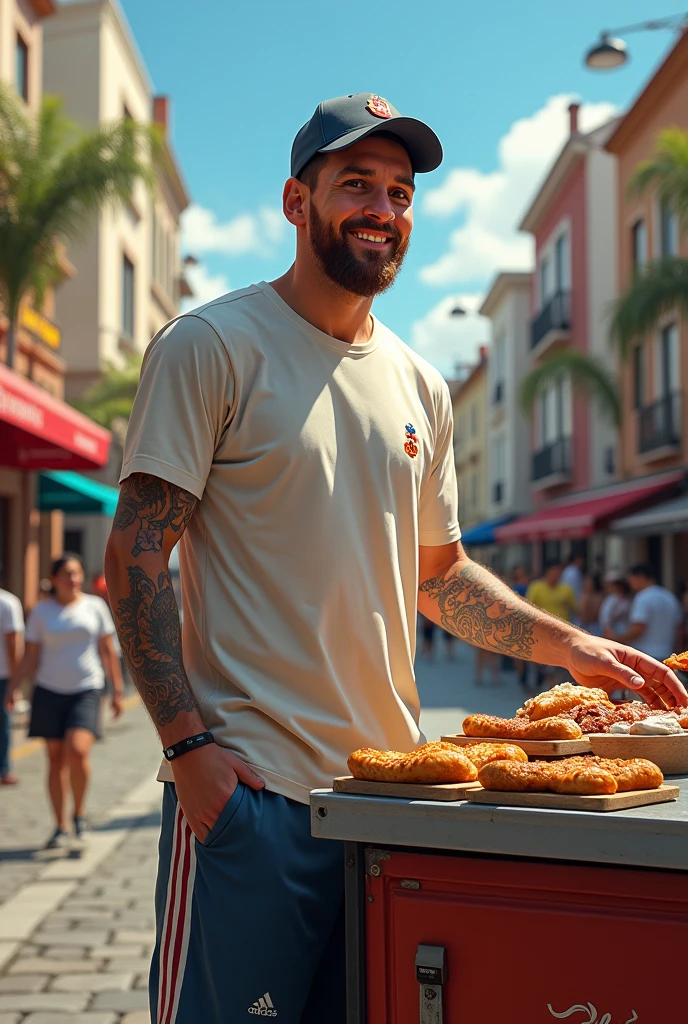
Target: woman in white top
point(68, 645)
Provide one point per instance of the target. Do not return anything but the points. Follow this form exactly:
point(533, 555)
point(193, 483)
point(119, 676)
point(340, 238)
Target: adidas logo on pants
point(264, 1007)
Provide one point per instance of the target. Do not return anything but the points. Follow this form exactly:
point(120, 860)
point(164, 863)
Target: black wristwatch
point(184, 746)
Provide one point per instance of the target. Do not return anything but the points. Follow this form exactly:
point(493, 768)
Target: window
point(561, 262)
point(666, 361)
point(638, 245)
point(556, 412)
point(498, 364)
point(545, 280)
point(127, 297)
point(74, 542)
point(21, 72)
point(668, 229)
point(498, 468)
point(638, 377)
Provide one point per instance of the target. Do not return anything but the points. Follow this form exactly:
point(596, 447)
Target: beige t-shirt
point(299, 567)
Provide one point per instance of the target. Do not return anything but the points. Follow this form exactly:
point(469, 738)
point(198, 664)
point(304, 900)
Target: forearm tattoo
point(148, 618)
point(475, 606)
point(151, 641)
point(156, 505)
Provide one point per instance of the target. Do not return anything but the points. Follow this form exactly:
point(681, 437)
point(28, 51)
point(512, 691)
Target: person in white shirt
point(656, 617)
point(616, 606)
point(573, 576)
point(68, 645)
point(11, 633)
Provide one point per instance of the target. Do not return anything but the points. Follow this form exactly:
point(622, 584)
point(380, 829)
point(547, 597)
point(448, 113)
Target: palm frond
point(661, 287)
point(111, 397)
point(666, 171)
point(586, 373)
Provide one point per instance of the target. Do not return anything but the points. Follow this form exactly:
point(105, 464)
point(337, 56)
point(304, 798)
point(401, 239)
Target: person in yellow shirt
point(555, 597)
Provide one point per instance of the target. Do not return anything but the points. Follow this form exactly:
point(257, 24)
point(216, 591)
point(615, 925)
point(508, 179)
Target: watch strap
point(176, 750)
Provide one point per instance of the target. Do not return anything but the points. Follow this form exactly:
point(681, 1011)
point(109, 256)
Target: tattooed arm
point(151, 516)
point(473, 604)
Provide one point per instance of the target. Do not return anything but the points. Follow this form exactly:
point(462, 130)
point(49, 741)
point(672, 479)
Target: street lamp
point(458, 311)
point(611, 52)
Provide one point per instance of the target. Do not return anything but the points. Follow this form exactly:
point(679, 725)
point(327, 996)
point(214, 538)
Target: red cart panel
point(526, 942)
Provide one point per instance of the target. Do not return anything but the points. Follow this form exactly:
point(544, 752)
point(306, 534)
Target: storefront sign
point(42, 328)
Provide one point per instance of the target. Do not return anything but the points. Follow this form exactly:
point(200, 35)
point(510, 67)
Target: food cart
point(467, 913)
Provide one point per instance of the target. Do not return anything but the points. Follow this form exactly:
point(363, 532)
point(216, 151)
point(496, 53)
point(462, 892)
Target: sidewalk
point(76, 933)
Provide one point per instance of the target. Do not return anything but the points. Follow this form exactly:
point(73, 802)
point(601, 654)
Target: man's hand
point(593, 661)
point(205, 779)
point(116, 705)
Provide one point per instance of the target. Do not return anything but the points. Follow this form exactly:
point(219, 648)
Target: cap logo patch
point(411, 444)
point(378, 107)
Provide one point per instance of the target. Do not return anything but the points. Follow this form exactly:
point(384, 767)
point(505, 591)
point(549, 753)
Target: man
point(655, 622)
point(11, 634)
point(552, 594)
point(304, 453)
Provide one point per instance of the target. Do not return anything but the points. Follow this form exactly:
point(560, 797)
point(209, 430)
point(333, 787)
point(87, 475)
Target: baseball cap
point(340, 122)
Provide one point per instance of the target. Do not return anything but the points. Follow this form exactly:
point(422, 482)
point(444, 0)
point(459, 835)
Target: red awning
point(574, 519)
point(38, 431)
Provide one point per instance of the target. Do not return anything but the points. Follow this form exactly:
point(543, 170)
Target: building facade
point(38, 431)
point(469, 401)
point(507, 305)
point(654, 377)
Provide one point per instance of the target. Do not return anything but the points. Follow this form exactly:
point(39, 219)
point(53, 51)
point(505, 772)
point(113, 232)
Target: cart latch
point(431, 971)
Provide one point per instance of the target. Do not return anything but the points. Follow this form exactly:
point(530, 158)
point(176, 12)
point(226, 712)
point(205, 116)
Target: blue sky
point(492, 78)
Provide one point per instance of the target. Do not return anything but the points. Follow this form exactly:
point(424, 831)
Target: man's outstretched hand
point(594, 661)
point(205, 779)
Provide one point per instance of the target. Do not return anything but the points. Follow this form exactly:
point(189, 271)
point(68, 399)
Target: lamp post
point(611, 52)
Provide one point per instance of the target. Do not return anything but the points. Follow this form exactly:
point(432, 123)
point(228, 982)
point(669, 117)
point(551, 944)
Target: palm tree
point(586, 374)
point(659, 287)
point(111, 397)
point(662, 285)
point(53, 180)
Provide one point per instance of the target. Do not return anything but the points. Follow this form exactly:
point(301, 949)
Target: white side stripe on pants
point(174, 938)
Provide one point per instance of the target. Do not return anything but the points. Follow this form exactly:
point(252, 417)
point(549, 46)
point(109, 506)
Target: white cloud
point(206, 286)
point(256, 233)
point(445, 340)
point(491, 204)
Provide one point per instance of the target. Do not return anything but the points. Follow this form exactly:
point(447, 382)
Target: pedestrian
point(590, 604)
point(68, 647)
point(655, 624)
point(616, 604)
point(11, 637)
point(428, 633)
point(557, 598)
point(304, 456)
point(574, 574)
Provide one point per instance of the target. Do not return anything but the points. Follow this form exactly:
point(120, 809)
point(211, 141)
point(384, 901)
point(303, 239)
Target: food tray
point(542, 748)
point(570, 802)
point(405, 790)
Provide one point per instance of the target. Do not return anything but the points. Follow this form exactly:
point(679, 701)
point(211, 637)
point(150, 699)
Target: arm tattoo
point(151, 643)
point(473, 605)
point(157, 505)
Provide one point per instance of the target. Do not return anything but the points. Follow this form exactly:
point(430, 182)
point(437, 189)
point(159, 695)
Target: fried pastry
point(521, 728)
point(538, 777)
point(583, 776)
point(677, 662)
point(482, 753)
point(561, 699)
point(601, 717)
point(433, 763)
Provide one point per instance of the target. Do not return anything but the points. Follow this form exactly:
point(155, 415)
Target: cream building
point(128, 282)
point(21, 46)
point(469, 401)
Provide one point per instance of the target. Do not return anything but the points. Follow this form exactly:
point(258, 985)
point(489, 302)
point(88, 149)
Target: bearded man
point(303, 454)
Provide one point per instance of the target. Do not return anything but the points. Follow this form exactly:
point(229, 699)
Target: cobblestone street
point(76, 932)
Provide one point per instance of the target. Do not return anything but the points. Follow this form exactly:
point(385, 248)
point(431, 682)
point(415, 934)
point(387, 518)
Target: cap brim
point(423, 146)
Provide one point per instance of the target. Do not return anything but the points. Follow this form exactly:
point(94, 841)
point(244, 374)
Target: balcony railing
point(659, 424)
point(555, 315)
point(554, 459)
point(497, 492)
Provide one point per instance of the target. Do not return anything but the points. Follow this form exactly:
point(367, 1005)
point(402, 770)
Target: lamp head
point(607, 53)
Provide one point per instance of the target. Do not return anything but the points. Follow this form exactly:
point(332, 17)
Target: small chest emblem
point(378, 107)
point(411, 444)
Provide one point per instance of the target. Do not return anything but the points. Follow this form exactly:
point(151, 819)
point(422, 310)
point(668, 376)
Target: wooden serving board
point(542, 748)
point(405, 790)
point(568, 802)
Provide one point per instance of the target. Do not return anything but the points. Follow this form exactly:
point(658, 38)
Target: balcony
point(552, 464)
point(659, 427)
point(553, 322)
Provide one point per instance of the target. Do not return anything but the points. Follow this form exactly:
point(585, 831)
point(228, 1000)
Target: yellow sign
point(39, 325)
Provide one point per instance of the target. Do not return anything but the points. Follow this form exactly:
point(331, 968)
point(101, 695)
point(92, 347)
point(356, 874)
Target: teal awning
point(484, 533)
point(72, 492)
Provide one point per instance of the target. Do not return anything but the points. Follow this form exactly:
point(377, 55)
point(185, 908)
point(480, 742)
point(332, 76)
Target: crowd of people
point(65, 653)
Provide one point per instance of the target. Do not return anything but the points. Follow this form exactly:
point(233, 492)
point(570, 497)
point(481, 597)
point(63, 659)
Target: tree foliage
point(585, 373)
point(111, 397)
